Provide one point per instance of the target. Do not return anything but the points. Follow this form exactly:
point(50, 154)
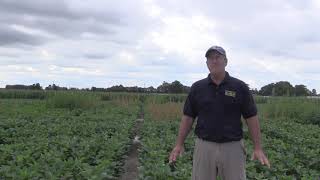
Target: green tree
point(176, 87)
point(36, 86)
point(284, 88)
point(164, 87)
point(301, 90)
point(266, 90)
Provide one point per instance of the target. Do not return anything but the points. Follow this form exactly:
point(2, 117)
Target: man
point(218, 102)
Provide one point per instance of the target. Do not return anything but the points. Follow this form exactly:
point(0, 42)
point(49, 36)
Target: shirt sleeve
point(189, 108)
point(248, 106)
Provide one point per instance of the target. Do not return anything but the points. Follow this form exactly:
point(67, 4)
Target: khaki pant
point(226, 160)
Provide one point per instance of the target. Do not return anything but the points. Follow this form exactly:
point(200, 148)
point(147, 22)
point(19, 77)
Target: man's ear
point(207, 65)
point(226, 61)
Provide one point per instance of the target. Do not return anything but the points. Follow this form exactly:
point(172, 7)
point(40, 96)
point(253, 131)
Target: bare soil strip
point(132, 161)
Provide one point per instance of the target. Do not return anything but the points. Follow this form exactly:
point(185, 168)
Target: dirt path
point(131, 163)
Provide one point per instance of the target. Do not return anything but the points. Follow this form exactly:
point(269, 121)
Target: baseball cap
point(216, 48)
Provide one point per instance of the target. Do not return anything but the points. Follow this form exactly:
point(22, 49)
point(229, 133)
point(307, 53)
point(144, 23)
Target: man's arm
point(185, 127)
point(254, 129)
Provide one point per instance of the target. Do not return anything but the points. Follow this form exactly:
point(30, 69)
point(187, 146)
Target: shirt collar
point(225, 80)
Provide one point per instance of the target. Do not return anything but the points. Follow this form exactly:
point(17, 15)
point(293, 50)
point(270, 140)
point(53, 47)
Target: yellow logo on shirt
point(230, 93)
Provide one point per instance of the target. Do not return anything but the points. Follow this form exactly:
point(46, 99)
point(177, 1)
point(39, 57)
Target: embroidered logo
point(230, 93)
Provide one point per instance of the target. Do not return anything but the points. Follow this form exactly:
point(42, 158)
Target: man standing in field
point(218, 102)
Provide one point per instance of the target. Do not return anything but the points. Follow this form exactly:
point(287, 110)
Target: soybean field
point(88, 135)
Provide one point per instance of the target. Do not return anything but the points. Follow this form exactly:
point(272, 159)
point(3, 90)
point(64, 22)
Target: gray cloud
point(9, 55)
point(55, 9)
point(37, 7)
point(257, 26)
point(95, 56)
point(10, 36)
point(66, 20)
point(11, 61)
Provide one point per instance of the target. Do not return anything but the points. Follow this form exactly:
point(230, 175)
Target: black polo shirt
point(219, 108)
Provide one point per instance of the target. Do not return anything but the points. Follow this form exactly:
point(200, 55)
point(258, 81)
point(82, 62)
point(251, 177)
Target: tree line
point(284, 88)
point(281, 88)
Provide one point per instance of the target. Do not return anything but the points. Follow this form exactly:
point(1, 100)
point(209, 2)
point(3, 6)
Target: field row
point(58, 143)
point(292, 145)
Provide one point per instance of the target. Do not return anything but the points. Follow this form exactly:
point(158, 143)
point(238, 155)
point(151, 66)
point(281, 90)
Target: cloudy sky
point(84, 43)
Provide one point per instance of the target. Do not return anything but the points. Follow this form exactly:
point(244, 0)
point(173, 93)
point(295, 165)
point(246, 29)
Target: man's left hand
point(258, 154)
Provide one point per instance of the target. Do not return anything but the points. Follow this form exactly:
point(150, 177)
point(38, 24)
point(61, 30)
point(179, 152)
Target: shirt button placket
point(217, 88)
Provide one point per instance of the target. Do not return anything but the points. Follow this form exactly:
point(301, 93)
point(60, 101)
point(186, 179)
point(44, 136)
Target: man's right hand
point(177, 151)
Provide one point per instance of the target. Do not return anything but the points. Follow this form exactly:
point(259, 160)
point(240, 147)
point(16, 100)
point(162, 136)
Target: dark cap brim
point(213, 50)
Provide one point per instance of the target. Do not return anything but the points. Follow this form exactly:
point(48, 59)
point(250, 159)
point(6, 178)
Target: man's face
point(216, 62)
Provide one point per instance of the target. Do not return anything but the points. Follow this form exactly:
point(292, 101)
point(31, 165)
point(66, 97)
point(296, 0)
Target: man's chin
point(216, 71)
